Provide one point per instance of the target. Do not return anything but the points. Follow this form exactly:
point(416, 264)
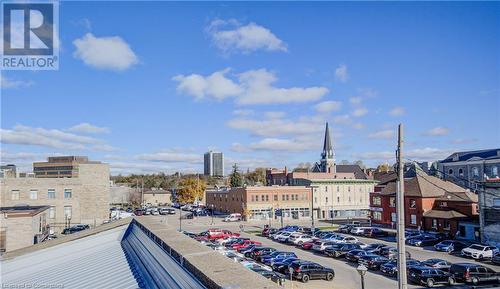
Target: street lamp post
point(362, 271)
point(212, 206)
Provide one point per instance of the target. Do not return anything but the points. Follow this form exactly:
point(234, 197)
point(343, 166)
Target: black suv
point(473, 273)
point(308, 271)
point(373, 261)
point(423, 275)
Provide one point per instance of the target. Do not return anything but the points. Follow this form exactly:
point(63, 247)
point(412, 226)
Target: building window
point(14, 195)
point(326, 200)
point(253, 198)
point(494, 171)
point(68, 210)
point(256, 198)
point(296, 197)
point(326, 188)
point(413, 219)
point(52, 212)
point(443, 204)
point(33, 194)
point(282, 197)
point(338, 199)
point(267, 198)
point(276, 197)
point(446, 224)
point(413, 203)
point(434, 223)
point(392, 202)
point(287, 197)
point(461, 172)
point(450, 172)
point(475, 171)
point(377, 201)
point(51, 194)
point(338, 189)
point(348, 188)
point(377, 216)
point(263, 197)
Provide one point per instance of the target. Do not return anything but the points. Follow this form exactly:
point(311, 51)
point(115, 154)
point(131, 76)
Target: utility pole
point(402, 284)
point(142, 193)
point(312, 211)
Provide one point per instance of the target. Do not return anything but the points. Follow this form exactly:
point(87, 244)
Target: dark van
point(473, 273)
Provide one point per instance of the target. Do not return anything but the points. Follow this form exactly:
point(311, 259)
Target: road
point(346, 275)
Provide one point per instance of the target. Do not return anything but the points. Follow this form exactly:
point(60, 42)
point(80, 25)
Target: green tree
point(190, 190)
point(235, 178)
point(258, 176)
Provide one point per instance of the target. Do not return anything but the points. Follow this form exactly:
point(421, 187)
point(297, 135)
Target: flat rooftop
point(23, 210)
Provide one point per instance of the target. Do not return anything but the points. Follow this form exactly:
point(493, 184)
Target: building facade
point(431, 204)
point(262, 202)
point(157, 197)
point(83, 199)
point(22, 226)
point(60, 167)
point(469, 168)
point(489, 212)
point(213, 164)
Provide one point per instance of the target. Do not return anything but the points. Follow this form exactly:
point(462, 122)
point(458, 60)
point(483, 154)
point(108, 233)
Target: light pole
point(362, 271)
point(212, 206)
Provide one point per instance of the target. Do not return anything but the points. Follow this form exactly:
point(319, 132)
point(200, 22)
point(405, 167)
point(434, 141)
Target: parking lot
point(346, 275)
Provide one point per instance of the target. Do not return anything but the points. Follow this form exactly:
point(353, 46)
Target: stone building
point(82, 199)
point(469, 168)
point(157, 197)
point(489, 212)
point(22, 226)
point(261, 202)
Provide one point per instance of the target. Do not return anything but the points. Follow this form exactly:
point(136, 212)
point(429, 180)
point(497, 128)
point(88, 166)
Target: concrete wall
point(20, 231)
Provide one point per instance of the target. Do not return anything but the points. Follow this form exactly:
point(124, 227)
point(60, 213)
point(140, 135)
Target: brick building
point(261, 202)
point(431, 204)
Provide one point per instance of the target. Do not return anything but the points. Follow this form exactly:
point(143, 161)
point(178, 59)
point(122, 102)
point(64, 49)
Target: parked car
point(233, 218)
point(372, 261)
point(354, 255)
point(244, 244)
point(473, 273)
point(422, 241)
point(138, 212)
point(307, 245)
point(437, 264)
point(374, 233)
point(262, 251)
point(293, 236)
point(74, 229)
point(391, 268)
point(392, 252)
point(308, 231)
point(345, 239)
point(339, 250)
point(309, 271)
point(302, 239)
point(282, 237)
point(267, 259)
point(282, 267)
point(267, 231)
point(429, 277)
point(346, 228)
point(496, 259)
point(450, 246)
point(479, 252)
point(281, 257)
point(374, 248)
point(320, 246)
point(358, 230)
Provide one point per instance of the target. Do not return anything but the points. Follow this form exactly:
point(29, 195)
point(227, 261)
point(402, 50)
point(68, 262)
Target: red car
point(214, 234)
point(245, 243)
point(307, 245)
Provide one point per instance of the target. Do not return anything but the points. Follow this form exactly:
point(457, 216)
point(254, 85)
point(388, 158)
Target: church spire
point(327, 145)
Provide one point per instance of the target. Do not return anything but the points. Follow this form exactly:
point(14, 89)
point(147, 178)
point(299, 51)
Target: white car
point(294, 236)
point(320, 246)
point(283, 236)
point(302, 239)
point(479, 252)
point(254, 265)
point(275, 237)
point(358, 230)
point(346, 240)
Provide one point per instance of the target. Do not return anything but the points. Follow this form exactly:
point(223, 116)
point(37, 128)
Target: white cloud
point(463, 140)
point(278, 144)
point(328, 106)
point(11, 83)
point(355, 100)
point(85, 127)
point(243, 112)
point(230, 36)
point(251, 87)
point(51, 138)
point(383, 134)
point(419, 154)
point(342, 119)
point(359, 112)
point(274, 114)
point(341, 73)
point(358, 126)
point(397, 111)
point(273, 127)
point(437, 131)
point(111, 53)
point(171, 156)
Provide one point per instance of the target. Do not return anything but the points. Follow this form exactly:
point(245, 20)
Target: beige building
point(261, 202)
point(157, 197)
point(22, 226)
point(60, 167)
point(83, 199)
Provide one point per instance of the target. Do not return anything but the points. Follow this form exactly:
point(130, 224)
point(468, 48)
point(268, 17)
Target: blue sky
point(150, 87)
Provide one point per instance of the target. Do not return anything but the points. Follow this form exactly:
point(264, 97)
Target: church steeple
point(327, 156)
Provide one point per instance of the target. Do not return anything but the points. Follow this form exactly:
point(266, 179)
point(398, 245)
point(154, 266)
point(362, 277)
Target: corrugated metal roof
point(96, 261)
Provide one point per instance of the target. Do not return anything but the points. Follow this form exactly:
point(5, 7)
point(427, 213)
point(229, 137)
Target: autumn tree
point(235, 178)
point(190, 190)
point(258, 176)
